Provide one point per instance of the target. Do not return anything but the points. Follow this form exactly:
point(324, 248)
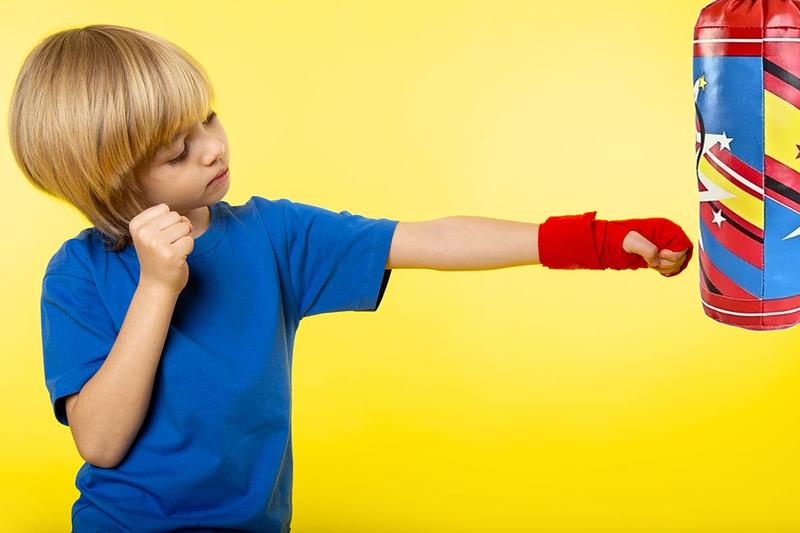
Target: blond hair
point(92, 106)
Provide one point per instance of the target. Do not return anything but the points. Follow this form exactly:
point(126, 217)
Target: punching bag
point(747, 108)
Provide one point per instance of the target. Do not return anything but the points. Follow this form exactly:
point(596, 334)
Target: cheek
point(166, 178)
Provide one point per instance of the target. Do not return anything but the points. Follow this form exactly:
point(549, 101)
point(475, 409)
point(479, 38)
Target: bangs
point(175, 114)
point(172, 92)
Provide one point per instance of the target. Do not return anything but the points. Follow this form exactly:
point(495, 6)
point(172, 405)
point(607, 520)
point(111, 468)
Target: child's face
point(179, 174)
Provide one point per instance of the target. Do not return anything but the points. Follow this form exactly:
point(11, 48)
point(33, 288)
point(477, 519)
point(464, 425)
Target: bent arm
point(464, 243)
point(109, 410)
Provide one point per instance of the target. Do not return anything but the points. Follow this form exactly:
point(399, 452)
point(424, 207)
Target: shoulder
point(82, 255)
point(270, 211)
point(286, 214)
point(72, 257)
point(266, 206)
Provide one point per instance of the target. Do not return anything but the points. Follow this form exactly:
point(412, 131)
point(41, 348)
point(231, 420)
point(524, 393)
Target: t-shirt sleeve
point(336, 260)
point(77, 335)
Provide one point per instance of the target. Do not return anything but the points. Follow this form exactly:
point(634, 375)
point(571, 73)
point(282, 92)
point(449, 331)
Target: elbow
point(97, 456)
point(101, 460)
point(93, 450)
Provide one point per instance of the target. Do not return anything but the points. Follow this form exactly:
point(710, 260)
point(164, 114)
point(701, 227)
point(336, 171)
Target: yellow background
point(518, 399)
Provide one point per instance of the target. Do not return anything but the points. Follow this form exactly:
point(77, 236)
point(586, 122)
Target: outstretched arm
point(481, 243)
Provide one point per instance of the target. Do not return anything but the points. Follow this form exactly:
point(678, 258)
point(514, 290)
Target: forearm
point(468, 243)
point(111, 406)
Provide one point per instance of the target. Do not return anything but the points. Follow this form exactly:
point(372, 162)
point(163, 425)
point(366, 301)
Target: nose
point(216, 151)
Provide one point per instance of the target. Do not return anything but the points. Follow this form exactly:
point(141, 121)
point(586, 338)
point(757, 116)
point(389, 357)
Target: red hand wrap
point(580, 241)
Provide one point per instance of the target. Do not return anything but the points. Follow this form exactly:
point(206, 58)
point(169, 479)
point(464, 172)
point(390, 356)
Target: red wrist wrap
point(580, 241)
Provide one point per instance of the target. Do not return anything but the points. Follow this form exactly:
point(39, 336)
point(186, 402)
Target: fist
point(658, 243)
point(162, 240)
point(666, 262)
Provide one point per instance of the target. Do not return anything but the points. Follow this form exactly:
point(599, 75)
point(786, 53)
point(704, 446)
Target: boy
point(168, 326)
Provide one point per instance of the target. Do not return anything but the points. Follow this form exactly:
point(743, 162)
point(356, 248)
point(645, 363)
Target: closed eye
point(182, 156)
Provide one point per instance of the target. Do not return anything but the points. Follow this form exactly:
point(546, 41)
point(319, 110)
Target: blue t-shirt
point(215, 448)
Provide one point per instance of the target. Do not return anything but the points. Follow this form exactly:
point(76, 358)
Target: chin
point(220, 192)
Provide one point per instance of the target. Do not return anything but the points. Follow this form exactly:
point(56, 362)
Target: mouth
point(220, 177)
